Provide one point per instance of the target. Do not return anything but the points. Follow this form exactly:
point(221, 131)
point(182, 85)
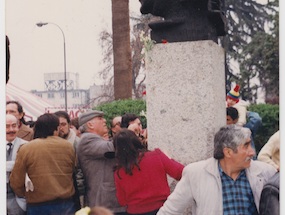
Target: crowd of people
point(80, 166)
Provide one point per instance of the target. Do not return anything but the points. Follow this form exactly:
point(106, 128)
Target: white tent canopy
point(33, 105)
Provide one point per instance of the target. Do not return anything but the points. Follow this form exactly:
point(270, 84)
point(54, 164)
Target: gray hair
point(230, 136)
point(82, 128)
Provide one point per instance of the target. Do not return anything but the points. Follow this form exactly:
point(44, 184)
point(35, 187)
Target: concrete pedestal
point(185, 98)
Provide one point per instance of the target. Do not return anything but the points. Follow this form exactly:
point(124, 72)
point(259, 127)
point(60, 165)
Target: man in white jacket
point(229, 183)
point(15, 205)
point(270, 152)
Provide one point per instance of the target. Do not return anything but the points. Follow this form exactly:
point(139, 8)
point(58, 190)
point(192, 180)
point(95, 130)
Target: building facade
point(55, 91)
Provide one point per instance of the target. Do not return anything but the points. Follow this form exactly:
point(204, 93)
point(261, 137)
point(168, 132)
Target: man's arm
point(95, 146)
point(180, 198)
point(254, 122)
point(18, 174)
point(269, 150)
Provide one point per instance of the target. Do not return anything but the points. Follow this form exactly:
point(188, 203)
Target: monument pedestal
point(185, 98)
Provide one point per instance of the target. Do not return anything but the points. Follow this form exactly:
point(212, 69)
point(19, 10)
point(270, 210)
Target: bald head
point(10, 117)
point(12, 127)
point(116, 124)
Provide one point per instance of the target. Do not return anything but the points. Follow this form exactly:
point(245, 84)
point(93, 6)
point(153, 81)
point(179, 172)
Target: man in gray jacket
point(96, 167)
point(15, 205)
point(229, 183)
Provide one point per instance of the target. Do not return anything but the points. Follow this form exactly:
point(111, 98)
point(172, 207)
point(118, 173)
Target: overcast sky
point(35, 51)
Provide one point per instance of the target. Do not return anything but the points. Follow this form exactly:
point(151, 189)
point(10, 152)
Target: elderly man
point(49, 161)
point(16, 109)
point(229, 183)
point(254, 121)
point(115, 125)
point(96, 167)
point(15, 205)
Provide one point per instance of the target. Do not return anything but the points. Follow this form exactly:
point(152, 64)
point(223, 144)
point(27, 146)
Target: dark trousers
point(56, 207)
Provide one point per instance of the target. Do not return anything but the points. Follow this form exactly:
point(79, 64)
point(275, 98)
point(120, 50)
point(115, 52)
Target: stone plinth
point(185, 98)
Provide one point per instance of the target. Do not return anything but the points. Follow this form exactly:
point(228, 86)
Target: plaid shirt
point(237, 195)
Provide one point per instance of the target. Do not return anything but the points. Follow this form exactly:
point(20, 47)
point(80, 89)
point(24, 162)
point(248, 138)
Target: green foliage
point(252, 41)
point(261, 60)
point(269, 114)
point(120, 107)
point(270, 123)
point(244, 19)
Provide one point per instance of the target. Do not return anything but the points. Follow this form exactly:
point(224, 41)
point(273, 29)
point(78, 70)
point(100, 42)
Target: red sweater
point(147, 189)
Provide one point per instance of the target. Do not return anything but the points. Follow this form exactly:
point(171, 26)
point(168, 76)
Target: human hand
point(28, 184)
point(135, 128)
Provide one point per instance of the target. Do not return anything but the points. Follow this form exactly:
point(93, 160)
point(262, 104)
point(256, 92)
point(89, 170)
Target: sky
point(35, 50)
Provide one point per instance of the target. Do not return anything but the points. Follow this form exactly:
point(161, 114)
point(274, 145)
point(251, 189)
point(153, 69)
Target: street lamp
point(40, 24)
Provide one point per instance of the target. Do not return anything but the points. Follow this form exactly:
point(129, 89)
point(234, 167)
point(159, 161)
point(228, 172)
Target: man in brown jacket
point(49, 161)
point(16, 109)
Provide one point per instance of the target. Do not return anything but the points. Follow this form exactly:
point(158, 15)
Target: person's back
point(50, 164)
point(97, 169)
point(152, 176)
point(142, 186)
point(49, 161)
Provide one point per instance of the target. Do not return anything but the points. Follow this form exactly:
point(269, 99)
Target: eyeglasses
point(117, 123)
point(63, 124)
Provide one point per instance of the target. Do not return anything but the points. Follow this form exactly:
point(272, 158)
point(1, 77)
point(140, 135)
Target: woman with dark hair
point(141, 175)
point(133, 122)
point(129, 118)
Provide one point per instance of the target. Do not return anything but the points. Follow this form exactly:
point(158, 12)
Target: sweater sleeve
point(270, 150)
point(172, 167)
point(241, 114)
point(17, 177)
point(95, 146)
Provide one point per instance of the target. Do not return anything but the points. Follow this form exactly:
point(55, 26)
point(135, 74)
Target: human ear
point(227, 152)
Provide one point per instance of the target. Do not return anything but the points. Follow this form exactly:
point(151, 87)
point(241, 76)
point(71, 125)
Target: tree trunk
point(121, 49)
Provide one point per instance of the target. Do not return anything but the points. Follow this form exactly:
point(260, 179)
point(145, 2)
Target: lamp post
point(40, 24)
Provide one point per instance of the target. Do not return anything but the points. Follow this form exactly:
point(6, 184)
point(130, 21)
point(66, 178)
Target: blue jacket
point(254, 121)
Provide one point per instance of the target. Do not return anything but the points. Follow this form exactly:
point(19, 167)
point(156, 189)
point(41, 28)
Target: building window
point(75, 94)
point(50, 95)
point(62, 95)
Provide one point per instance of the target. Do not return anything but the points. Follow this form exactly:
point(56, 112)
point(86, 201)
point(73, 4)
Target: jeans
point(60, 207)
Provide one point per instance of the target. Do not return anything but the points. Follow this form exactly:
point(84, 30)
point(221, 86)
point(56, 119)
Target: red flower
point(164, 41)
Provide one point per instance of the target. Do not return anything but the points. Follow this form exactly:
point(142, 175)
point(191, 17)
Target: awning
point(33, 105)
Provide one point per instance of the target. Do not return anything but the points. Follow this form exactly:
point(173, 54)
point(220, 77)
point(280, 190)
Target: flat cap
point(87, 116)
